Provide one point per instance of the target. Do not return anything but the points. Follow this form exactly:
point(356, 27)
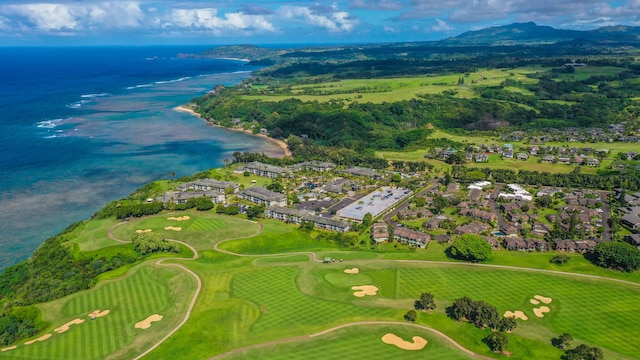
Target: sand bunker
point(9, 348)
point(392, 339)
point(174, 228)
point(98, 313)
point(41, 338)
point(534, 301)
point(545, 300)
point(516, 314)
point(66, 326)
point(146, 323)
point(540, 311)
point(352, 271)
point(143, 231)
point(179, 218)
point(364, 290)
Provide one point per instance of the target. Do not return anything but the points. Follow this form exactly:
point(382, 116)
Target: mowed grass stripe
point(130, 300)
point(604, 314)
point(201, 224)
point(286, 308)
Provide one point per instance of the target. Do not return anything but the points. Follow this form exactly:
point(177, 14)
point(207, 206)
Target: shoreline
point(281, 144)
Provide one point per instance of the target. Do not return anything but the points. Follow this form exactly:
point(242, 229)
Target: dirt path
point(363, 323)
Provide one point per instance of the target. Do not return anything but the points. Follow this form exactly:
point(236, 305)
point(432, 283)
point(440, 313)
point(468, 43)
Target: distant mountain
point(532, 33)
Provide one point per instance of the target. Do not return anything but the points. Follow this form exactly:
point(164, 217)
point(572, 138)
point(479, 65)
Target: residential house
point(522, 156)
point(411, 237)
point(548, 159)
point(592, 162)
point(481, 158)
point(379, 232)
point(474, 227)
point(327, 223)
point(514, 243)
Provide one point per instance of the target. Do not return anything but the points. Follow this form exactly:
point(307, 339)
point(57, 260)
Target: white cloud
point(47, 16)
point(333, 20)
point(57, 17)
point(441, 26)
point(208, 19)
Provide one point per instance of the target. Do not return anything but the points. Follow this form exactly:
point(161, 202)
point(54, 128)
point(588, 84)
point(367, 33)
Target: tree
point(616, 255)
point(275, 186)
point(584, 352)
point(559, 259)
point(562, 341)
point(461, 308)
point(396, 178)
point(306, 226)
point(255, 211)
point(507, 324)
point(419, 201)
point(426, 302)
point(411, 315)
point(497, 341)
point(470, 247)
point(367, 220)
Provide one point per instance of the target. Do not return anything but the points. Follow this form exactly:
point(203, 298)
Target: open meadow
point(264, 295)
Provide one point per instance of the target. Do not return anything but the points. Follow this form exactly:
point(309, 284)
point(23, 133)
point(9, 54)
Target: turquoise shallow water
point(73, 140)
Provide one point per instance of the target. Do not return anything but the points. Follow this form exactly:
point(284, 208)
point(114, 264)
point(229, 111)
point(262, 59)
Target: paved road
point(606, 215)
point(494, 206)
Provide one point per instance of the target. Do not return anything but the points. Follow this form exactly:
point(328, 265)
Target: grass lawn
point(93, 235)
point(276, 237)
point(202, 230)
point(358, 342)
point(148, 289)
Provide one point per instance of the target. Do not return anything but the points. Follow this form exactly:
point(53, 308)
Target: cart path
point(160, 262)
point(362, 323)
point(314, 258)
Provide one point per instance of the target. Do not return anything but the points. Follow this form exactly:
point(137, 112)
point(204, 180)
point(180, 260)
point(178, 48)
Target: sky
point(211, 22)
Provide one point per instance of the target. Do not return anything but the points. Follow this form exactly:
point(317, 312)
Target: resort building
point(260, 169)
point(181, 197)
point(379, 232)
point(260, 195)
point(314, 165)
point(209, 185)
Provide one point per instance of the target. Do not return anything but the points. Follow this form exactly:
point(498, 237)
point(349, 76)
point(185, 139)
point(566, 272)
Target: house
point(411, 237)
point(209, 185)
point(481, 158)
point(477, 214)
point(453, 187)
point(379, 232)
point(631, 220)
point(508, 154)
point(534, 150)
point(522, 156)
point(495, 245)
point(578, 160)
point(434, 223)
point(564, 160)
point(474, 227)
point(536, 245)
point(474, 194)
point(592, 162)
point(514, 243)
point(182, 197)
point(314, 165)
point(548, 159)
point(583, 246)
point(260, 169)
point(260, 195)
point(509, 229)
point(633, 239)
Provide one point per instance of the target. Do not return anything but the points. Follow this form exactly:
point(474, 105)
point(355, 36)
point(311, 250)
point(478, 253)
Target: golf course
point(246, 290)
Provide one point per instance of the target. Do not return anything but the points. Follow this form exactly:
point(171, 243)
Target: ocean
point(82, 126)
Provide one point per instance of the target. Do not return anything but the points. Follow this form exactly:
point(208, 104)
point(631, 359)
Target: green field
point(267, 296)
point(147, 290)
point(200, 231)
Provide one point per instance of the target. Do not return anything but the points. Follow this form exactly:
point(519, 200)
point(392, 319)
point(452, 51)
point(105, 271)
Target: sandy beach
point(281, 144)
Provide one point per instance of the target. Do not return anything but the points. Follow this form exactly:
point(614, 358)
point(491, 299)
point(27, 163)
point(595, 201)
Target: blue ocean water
point(80, 127)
